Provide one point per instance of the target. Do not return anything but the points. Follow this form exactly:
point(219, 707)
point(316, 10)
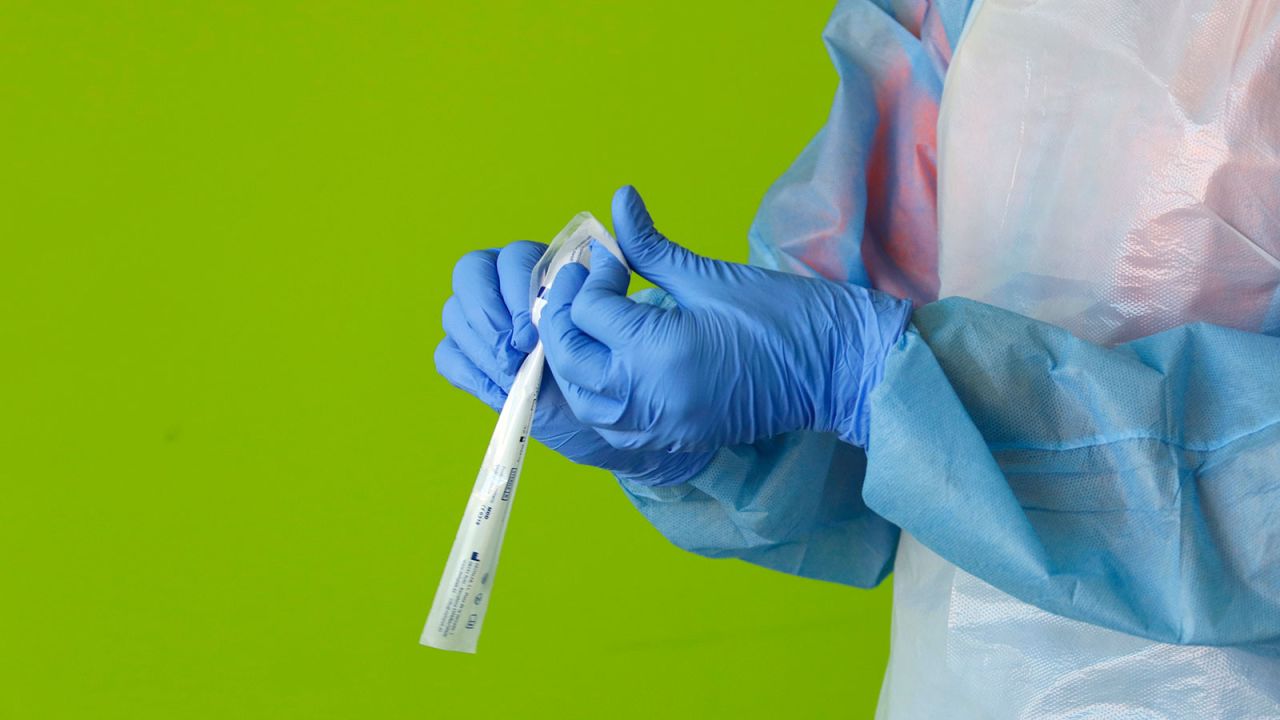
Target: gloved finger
point(515, 270)
point(653, 256)
point(602, 308)
point(458, 369)
point(573, 355)
point(499, 362)
point(475, 284)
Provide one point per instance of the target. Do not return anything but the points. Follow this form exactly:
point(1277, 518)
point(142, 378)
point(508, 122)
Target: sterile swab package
point(457, 612)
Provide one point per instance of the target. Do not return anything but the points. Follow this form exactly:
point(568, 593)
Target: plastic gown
point(1074, 474)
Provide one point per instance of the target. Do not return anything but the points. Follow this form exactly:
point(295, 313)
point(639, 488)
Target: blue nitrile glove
point(748, 353)
point(488, 333)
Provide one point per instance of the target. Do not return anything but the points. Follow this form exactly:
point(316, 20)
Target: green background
point(230, 473)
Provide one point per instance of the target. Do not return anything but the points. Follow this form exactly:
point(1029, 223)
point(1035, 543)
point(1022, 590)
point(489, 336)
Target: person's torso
point(1112, 168)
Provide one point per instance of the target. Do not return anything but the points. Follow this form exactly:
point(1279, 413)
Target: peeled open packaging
point(458, 611)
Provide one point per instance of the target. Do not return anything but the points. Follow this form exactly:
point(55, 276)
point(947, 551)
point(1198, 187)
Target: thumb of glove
point(649, 253)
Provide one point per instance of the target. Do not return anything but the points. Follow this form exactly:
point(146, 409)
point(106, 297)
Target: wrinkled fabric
point(1114, 168)
point(1136, 487)
point(1129, 184)
point(859, 202)
point(815, 220)
point(1110, 169)
point(963, 649)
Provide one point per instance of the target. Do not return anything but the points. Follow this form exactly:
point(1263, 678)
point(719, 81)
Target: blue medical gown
point(1136, 487)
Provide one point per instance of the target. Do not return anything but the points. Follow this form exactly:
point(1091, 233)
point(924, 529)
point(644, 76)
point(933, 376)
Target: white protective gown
point(1112, 169)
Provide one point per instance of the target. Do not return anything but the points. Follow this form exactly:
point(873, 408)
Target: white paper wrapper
point(457, 613)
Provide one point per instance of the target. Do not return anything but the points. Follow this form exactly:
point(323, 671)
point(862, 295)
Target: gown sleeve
point(1136, 487)
point(794, 503)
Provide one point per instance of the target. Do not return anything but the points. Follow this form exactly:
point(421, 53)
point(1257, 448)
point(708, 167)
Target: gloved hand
point(489, 332)
point(748, 353)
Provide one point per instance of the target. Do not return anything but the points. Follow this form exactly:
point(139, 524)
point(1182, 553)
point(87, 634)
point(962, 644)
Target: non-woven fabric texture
point(1083, 509)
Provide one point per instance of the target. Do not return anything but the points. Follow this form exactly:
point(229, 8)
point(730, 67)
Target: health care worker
point(1074, 471)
